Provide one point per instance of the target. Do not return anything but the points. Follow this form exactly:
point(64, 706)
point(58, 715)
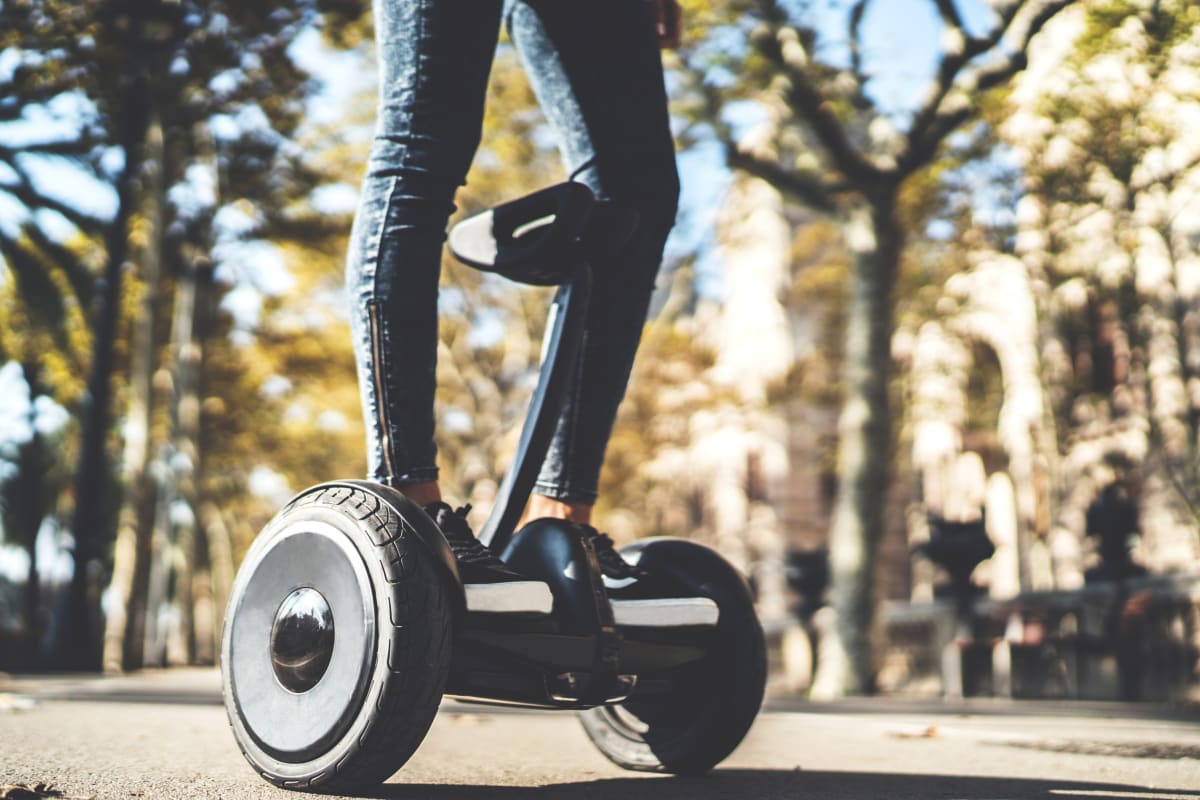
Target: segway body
point(348, 620)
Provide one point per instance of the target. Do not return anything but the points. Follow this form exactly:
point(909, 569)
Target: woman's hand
point(670, 23)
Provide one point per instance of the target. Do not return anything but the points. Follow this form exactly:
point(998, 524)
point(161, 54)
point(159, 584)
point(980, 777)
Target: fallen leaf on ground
point(931, 732)
point(469, 720)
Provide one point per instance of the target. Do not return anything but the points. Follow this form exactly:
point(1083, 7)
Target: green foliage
point(1120, 130)
point(347, 23)
point(43, 323)
point(1167, 24)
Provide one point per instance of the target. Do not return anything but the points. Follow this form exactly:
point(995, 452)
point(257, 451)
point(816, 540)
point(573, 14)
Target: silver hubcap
point(296, 687)
point(302, 640)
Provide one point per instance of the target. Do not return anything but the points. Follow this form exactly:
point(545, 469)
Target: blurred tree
point(59, 56)
point(227, 101)
point(1108, 230)
point(821, 139)
point(31, 478)
point(118, 65)
point(44, 333)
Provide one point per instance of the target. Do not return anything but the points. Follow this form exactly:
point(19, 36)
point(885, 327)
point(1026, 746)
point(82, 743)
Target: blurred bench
point(1137, 639)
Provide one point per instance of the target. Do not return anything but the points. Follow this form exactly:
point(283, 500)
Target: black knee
point(654, 197)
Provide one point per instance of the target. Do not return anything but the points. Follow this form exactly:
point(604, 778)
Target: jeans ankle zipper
point(385, 436)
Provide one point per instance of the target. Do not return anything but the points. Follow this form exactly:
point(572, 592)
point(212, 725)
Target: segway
point(348, 621)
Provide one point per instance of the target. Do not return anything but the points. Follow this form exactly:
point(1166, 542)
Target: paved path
point(165, 736)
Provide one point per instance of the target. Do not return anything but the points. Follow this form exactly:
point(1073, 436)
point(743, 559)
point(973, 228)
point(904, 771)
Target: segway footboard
point(578, 655)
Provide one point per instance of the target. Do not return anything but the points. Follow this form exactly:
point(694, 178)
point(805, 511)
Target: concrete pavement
point(164, 735)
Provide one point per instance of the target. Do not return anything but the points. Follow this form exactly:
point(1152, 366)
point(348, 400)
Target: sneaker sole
point(534, 597)
point(667, 612)
point(518, 597)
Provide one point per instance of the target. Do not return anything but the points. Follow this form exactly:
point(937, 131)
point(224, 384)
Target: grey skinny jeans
point(597, 71)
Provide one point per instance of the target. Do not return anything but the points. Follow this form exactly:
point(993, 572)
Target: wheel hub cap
point(296, 687)
point(302, 640)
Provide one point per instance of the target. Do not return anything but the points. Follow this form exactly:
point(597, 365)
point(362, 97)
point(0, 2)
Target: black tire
point(387, 716)
point(713, 706)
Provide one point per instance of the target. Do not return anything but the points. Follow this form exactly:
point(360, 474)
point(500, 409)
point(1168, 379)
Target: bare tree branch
point(949, 14)
point(945, 110)
point(949, 66)
point(806, 187)
point(1038, 19)
point(784, 49)
point(856, 17)
point(74, 149)
point(83, 282)
point(32, 199)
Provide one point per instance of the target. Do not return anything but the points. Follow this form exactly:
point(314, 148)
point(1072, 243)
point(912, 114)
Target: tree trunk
point(185, 419)
point(213, 560)
point(197, 298)
point(180, 575)
point(26, 515)
point(33, 607)
point(160, 570)
point(125, 633)
point(864, 427)
point(220, 559)
point(82, 638)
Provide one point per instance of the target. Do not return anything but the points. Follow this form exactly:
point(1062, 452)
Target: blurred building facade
point(1053, 408)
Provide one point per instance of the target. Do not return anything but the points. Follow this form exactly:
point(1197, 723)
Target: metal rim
point(288, 725)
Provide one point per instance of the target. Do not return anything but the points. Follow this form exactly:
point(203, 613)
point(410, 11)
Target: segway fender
point(685, 566)
point(702, 721)
point(414, 521)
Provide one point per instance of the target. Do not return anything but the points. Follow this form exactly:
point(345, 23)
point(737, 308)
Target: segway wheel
point(336, 644)
point(713, 703)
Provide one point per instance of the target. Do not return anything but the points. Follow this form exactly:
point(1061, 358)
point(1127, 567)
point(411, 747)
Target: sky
point(901, 47)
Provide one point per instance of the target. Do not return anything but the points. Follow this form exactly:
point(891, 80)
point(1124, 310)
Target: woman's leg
point(434, 59)
point(597, 71)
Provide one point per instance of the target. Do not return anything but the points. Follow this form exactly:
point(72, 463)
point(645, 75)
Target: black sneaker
point(491, 585)
point(613, 567)
point(642, 600)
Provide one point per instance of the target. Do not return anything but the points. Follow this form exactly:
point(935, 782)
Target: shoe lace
point(611, 562)
point(466, 548)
